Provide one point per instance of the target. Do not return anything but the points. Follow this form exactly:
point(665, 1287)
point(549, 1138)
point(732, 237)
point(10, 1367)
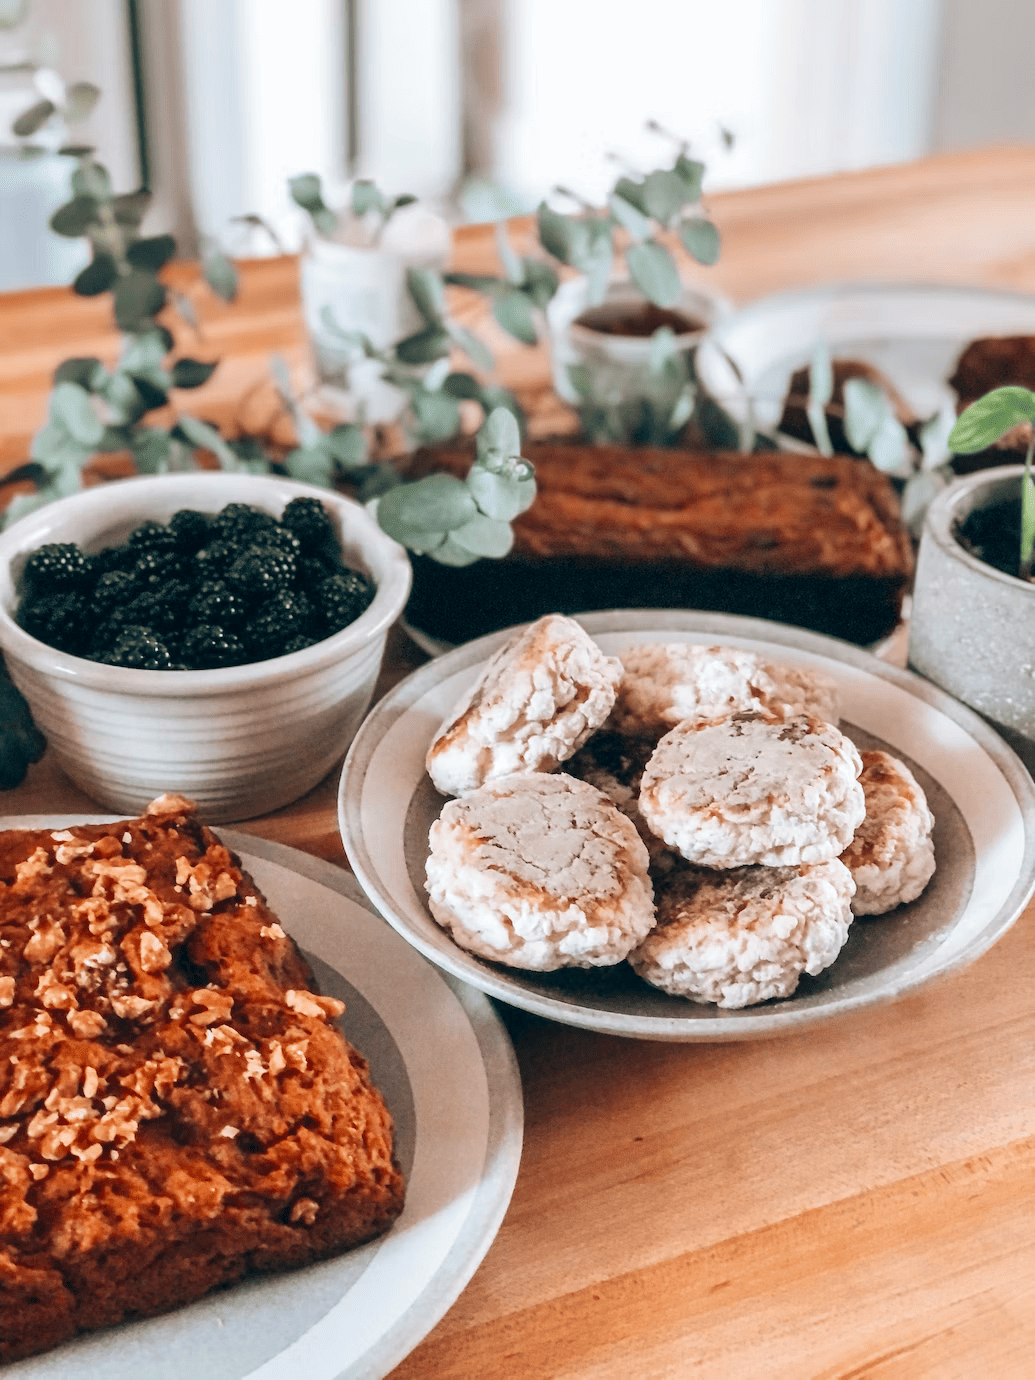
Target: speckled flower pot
point(972, 628)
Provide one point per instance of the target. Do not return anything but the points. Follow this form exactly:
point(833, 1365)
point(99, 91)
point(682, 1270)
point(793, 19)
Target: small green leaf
point(985, 421)
point(460, 385)
point(151, 394)
point(477, 282)
point(74, 218)
point(633, 193)
point(428, 294)
point(888, 446)
point(53, 446)
point(484, 536)
point(629, 218)
point(452, 553)
point(130, 208)
point(512, 267)
point(97, 277)
point(348, 445)
point(311, 465)
point(33, 119)
point(191, 373)
point(146, 351)
point(220, 274)
point(436, 503)
point(499, 435)
point(919, 492)
point(400, 201)
point(555, 232)
point(306, 191)
point(125, 404)
point(424, 347)
point(654, 272)
point(366, 197)
point(700, 239)
point(665, 194)
point(691, 174)
point(866, 408)
point(115, 438)
point(540, 282)
point(581, 379)
point(91, 179)
point(138, 297)
point(499, 496)
point(437, 415)
point(87, 372)
point(325, 221)
point(206, 437)
point(596, 261)
point(152, 254)
point(471, 345)
point(71, 405)
point(513, 311)
point(152, 450)
point(80, 99)
point(356, 341)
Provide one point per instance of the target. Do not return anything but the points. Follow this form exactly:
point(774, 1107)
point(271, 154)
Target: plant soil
point(993, 534)
point(641, 319)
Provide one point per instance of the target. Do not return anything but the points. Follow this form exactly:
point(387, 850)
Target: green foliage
point(366, 200)
point(656, 414)
point(982, 424)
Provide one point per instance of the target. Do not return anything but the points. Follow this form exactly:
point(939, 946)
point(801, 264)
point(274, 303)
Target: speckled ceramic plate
point(983, 801)
point(445, 1065)
point(912, 332)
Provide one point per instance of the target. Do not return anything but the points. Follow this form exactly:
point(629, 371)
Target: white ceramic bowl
point(241, 740)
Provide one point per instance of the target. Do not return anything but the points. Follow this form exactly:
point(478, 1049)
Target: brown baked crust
point(987, 363)
point(176, 1107)
point(810, 540)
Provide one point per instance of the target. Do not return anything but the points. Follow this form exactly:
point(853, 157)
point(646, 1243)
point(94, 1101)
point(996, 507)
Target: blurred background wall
point(214, 103)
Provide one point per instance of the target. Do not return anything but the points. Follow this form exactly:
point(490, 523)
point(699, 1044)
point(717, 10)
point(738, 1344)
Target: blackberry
point(283, 538)
point(339, 600)
point(215, 602)
point(113, 590)
point(140, 649)
point(161, 607)
point(241, 523)
point(312, 525)
point(155, 565)
point(190, 528)
point(280, 619)
point(215, 559)
point(152, 536)
point(262, 570)
point(113, 558)
point(208, 646)
point(59, 619)
point(313, 569)
point(58, 565)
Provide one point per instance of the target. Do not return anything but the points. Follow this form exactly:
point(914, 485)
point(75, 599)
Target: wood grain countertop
point(855, 1200)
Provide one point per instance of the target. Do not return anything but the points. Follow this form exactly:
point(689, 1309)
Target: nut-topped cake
point(177, 1106)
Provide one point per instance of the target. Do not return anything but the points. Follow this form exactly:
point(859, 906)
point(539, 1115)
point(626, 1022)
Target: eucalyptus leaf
point(311, 465)
point(452, 553)
point(499, 435)
point(985, 421)
point(699, 238)
point(632, 192)
point(866, 408)
point(484, 536)
point(435, 377)
point(513, 311)
point(691, 173)
point(75, 217)
point(437, 415)
point(460, 385)
point(406, 199)
point(152, 450)
point(555, 232)
point(138, 297)
point(54, 446)
point(540, 282)
point(205, 437)
point(114, 439)
point(306, 191)
point(366, 197)
point(821, 376)
point(191, 373)
point(33, 119)
point(354, 340)
point(662, 347)
point(87, 372)
point(512, 266)
point(71, 405)
point(151, 254)
point(597, 259)
point(629, 218)
point(125, 404)
point(426, 289)
point(498, 496)
point(436, 503)
point(477, 282)
point(92, 179)
point(348, 445)
point(665, 194)
point(471, 345)
point(220, 274)
point(23, 504)
point(97, 277)
point(130, 208)
point(424, 347)
point(653, 271)
point(325, 221)
point(146, 351)
point(394, 525)
point(80, 99)
point(934, 437)
point(888, 448)
point(919, 492)
point(67, 478)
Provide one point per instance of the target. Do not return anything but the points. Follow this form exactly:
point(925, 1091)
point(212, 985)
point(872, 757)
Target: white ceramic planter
point(619, 364)
point(241, 740)
point(364, 288)
point(972, 627)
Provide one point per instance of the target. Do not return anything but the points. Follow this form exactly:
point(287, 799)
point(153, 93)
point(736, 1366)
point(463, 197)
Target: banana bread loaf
point(177, 1107)
point(808, 540)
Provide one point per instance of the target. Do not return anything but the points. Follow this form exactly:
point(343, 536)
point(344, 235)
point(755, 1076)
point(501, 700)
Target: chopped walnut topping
point(277, 1062)
point(39, 1171)
point(253, 1065)
point(205, 890)
point(86, 1025)
point(304, 1210)
point(273, 931)
point(222, 1039)
point(62, 835)
point(130, 1008)
point(67, 851)
point(44, 943)
point(154, 956)
point(91, 1081)
point(6, 991)
point(8, 1133)
point(54, 993)
point(36, 865)
point(310, 1004)
point(217, 1004)
point(230, 1132)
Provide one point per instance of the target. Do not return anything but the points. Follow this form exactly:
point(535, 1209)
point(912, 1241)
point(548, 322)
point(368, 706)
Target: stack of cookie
point(712, 825)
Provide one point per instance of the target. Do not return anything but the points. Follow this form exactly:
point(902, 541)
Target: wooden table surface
point(857, 1200)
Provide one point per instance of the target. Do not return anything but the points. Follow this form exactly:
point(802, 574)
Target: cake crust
point(177, 1108)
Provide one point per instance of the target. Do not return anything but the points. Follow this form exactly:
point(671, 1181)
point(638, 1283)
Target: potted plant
point(972, 627)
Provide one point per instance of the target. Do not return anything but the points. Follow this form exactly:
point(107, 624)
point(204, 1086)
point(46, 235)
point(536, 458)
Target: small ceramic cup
point(972, 627)
point(239, 741)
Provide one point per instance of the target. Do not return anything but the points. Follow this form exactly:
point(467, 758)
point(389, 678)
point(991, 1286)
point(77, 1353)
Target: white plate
point(983, 801)
point(913, 333)
point(445, 1065)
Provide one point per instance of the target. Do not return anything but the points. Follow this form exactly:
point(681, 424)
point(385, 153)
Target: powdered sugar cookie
point(614, 764)
point(538, 698)
point(539, 871)
point(754, 790)
point(891, 856)
point(665, 683)
point(744, 936)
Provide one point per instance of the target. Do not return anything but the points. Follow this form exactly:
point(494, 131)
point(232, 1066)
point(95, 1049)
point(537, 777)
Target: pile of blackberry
point(201, 592)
